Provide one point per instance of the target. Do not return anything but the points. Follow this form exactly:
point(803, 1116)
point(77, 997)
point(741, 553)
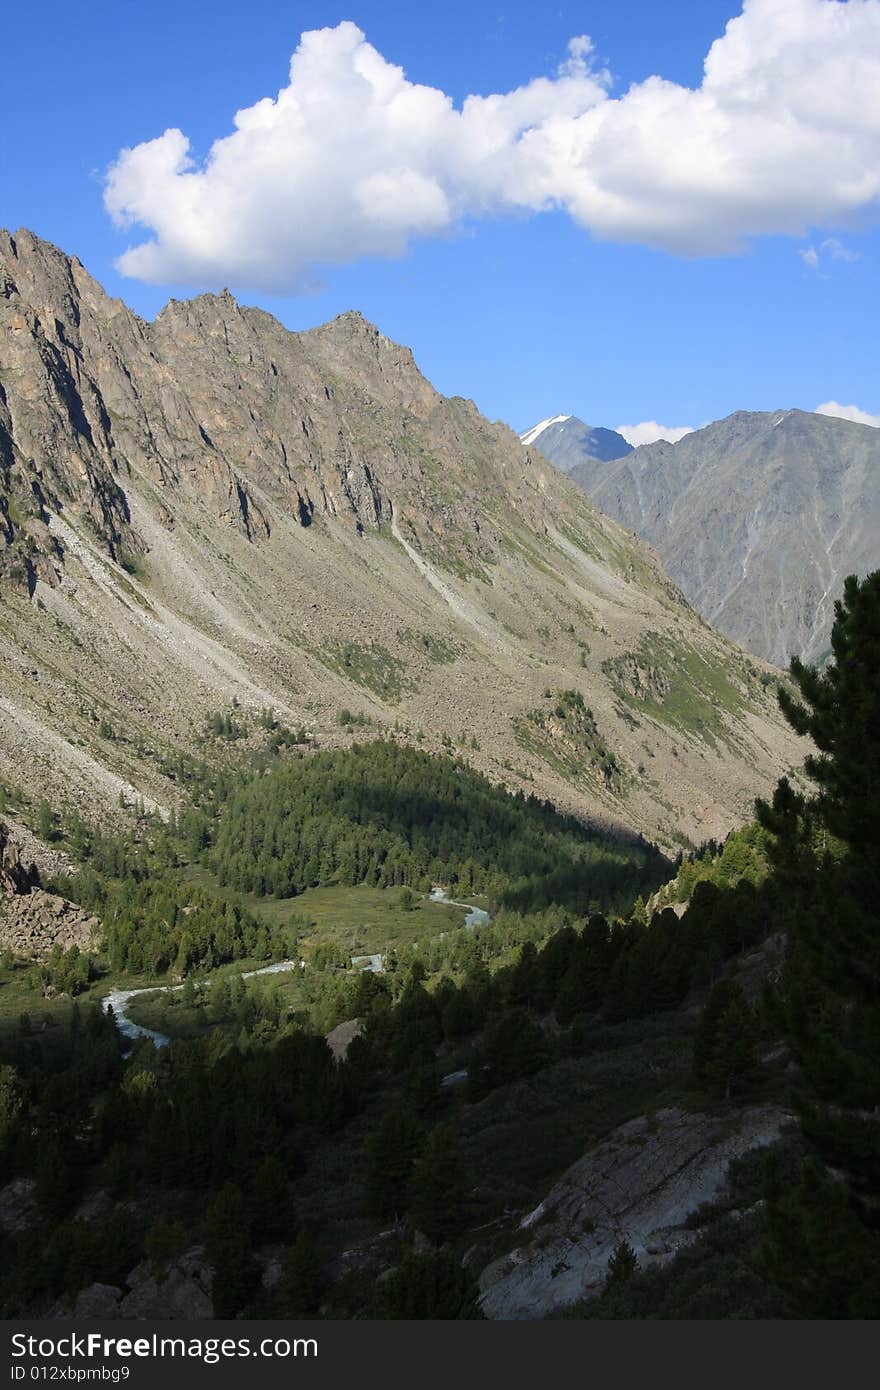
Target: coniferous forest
point(607, 984)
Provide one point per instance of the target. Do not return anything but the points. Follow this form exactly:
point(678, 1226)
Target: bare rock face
point(99, 393)
point(15, 876)
point(56, 446)
point(49, 860)
point(375, 1256)
point(212, 401)
point(640, 1185)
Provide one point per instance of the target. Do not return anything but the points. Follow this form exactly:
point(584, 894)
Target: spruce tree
point(839, 710)
point(826, 851)
point(433, 1286)
point(229, 1250)
point(622, 1265)
point(302, 1282)
point(726, 1042)
point(438, 1188)
point(735, 1064)
point(391, 1153)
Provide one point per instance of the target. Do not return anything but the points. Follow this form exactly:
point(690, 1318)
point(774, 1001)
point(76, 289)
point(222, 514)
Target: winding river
point(476, 916)
point(118, 999)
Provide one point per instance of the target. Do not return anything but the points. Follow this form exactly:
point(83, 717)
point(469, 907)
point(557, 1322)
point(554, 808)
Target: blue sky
point(618, 316)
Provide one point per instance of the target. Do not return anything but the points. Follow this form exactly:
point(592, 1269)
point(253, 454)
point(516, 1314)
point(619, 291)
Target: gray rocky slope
point(759, 518)
point(643, 1184)
point(209, 508)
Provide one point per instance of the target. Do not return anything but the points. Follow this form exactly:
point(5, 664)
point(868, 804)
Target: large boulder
point(183, 1291)
point(98, 1301)
point(17, 1206)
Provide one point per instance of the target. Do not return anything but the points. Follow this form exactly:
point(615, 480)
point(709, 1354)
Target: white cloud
point(848, 412)
point(828, 250)
point(351, 159)
point(649, 431)
point(837, 251)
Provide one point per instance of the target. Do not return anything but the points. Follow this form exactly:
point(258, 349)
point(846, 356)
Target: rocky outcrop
point(15, 876)
point(97, 1301)
point(56, 442)
point(32, 921)
point(94, 393)
point(18, 1207)
point(340, 1038)
point(640, 1185)
point(182, 1291)
point(49, 860)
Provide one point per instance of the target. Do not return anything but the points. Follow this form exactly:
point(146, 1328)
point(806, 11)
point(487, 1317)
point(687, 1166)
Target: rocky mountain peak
point(351, 343)
point(566, 441)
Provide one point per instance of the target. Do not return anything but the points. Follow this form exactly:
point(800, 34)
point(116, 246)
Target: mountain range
point(758, 517)
point(209, 513)
point(385, 1033)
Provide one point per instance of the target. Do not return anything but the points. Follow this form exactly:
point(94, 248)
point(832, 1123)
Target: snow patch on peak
point(531, 435)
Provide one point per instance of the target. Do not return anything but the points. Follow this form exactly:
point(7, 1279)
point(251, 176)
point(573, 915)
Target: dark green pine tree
point(438, 1187)
point(622, 1265)
point(229, 1251)
point(815, 1247)
point(429, 1287)
point(839, 710)
point(271, 1209)
point(726, 1042)
point(302, 1282)
point(826, 851)
point(736, 1064)
point(391, 1153)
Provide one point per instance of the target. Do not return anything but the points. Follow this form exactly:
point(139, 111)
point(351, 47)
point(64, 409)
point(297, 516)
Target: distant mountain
point(209, 509)
point(758, 518)
point(565, 440)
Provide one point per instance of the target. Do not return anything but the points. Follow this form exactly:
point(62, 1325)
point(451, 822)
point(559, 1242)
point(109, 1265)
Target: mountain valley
point(210, 511)
point(384, 927)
